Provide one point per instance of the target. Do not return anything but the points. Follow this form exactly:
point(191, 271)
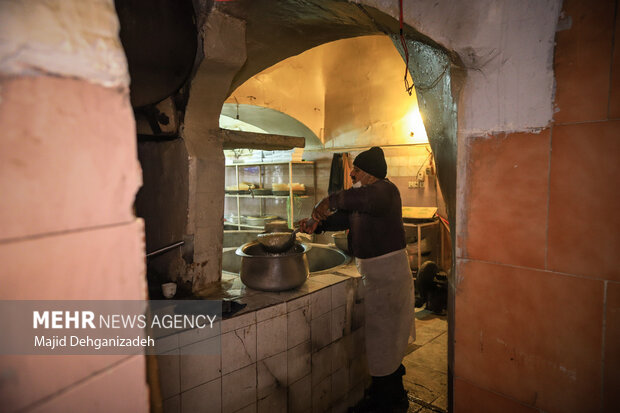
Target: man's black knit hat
point(372, 161)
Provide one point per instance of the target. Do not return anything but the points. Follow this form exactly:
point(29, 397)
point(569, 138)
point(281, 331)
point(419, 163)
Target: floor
point(426, 379)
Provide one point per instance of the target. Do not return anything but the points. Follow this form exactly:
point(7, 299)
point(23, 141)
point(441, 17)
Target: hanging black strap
point(336, 174)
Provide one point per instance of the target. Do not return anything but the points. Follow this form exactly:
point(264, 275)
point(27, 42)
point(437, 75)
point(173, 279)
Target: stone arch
point(272, 121)
point(225, 66)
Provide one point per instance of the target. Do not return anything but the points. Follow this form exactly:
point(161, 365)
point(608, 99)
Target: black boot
point(386, 394)
point(396, 400)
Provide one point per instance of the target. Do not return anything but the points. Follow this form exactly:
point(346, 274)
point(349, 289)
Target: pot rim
point(239, 251)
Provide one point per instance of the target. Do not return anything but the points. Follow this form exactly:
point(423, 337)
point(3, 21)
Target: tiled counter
point(294, 351)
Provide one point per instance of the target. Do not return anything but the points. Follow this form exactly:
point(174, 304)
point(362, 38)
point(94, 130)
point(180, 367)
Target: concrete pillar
point(224, 53)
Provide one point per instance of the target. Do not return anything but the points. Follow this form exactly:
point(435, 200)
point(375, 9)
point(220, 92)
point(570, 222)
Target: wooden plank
point(233, 139)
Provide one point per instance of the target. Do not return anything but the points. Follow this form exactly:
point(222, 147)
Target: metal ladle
point(279, 241)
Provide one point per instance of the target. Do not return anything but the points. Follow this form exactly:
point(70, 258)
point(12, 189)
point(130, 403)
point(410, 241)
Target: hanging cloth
point(336, 175)
point(346, 167)
point(340, 173)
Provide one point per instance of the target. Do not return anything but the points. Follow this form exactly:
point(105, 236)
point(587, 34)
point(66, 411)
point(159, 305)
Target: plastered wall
point(354, 96)
point(538, 291)
point(352, 92)
point(68, 177)
point(504, 47)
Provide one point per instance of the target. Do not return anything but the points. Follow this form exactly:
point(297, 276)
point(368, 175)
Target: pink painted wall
point(68, 177)
point(538, 286)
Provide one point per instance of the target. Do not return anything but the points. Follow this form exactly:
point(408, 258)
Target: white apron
point(388, 308)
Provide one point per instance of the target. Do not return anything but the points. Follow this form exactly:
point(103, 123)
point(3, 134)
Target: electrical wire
point(424, 163)
point(408, 87)
point(434, 83)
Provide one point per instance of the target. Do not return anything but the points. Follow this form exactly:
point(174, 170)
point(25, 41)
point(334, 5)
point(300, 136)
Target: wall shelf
point(266, 196)
point(259, 205)
point(270, 163)
point(245, 226)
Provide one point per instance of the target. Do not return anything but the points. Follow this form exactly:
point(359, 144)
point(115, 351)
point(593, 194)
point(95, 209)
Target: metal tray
point(285, 193)
point(261, 191)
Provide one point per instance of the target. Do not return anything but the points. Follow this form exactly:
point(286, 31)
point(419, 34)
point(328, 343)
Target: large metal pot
point(263, 271)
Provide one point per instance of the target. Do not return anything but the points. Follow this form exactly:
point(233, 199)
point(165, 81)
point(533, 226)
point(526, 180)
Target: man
point(372, 212)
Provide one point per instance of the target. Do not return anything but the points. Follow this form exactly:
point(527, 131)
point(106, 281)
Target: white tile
point(300, 396)
point(271, 337)
point(166, 344)
point(238, 348)
point(274, 402)
point(289, 295)
point(208, 346)
point(321, 365)
point(298, 362)
point(239, 389)
point(338, 322)
point(349, 314)
point(196, 367)
point(340, 292)
point(169, 376)
point(258, 301)
point(340, 383)
point(357, 316)
point(251, 408)
point(328, 278)
point(321, 331)
point(322, 396)
point(358, 338)
point(298, 303)
point(198, 334)
point(238, 322)
point(298, 326)
point(271, 375)
point(348, 271)
point(321, 302)
point(270, 312)
point(339, 353)
point(172, 405)
point(358, 372)
point(313, 285)
point(206, 398)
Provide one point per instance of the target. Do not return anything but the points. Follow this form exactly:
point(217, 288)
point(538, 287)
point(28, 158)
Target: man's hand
point(321, 210)
point(308, 225)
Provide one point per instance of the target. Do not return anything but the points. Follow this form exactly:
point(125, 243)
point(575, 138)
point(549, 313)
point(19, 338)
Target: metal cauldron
point(265, 271)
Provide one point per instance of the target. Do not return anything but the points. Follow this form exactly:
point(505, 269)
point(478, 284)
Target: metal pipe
point(164, 249)
point(419, 247)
